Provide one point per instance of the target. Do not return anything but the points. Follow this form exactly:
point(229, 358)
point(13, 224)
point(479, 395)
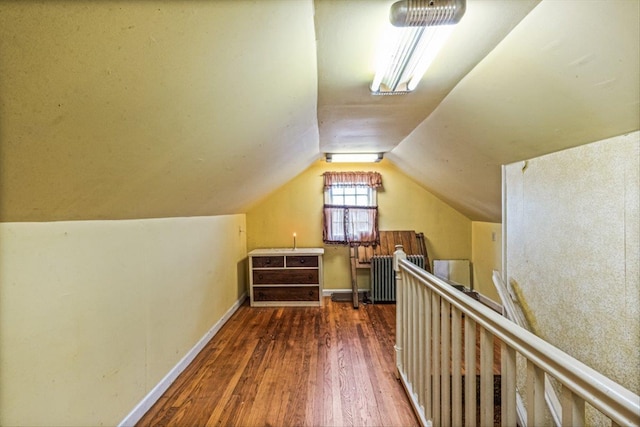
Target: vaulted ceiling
point(113, 109)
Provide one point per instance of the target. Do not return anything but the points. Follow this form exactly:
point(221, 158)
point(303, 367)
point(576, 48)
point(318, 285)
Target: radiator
point(383, 278)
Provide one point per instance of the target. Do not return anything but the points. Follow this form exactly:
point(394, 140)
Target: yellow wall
point(152, 109)
point(93, 314)
point(486, 256)
point(403, 205)
point(573, 248)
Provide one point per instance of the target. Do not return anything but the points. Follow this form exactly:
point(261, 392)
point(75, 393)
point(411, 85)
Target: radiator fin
point(383, 278)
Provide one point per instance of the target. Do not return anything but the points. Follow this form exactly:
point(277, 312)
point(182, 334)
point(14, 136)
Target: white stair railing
point(437, 330)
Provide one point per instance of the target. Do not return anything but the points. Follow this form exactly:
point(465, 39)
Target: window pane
point(350, 196)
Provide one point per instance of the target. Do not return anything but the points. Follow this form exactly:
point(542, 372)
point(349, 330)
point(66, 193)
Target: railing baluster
point(406, 344)
point(410, 336)
point(415, 339)
point(445, 371)
point(420, 348)
point(405, 321)
point(435, 354)
point(535, 394)
point(416, 342)
point(572, 409)
point(456, 359)
point(486, 378)
point(508, 385)
point(469, 372)
point(427, 352)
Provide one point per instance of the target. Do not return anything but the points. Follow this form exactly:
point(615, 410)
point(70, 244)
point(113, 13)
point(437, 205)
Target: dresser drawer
point(302, 261)
point(286, 293)
point(267, 261)
point(298, 276)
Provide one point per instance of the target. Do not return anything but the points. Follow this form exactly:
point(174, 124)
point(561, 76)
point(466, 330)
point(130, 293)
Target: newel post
point(397, 256)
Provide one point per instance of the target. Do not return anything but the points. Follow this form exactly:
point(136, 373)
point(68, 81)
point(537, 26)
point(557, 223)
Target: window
point(350, 210)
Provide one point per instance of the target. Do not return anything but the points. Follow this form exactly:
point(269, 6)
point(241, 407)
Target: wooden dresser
point(286, 277)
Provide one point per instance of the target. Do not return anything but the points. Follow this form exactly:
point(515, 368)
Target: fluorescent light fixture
point(417, 31)
point(353, 157)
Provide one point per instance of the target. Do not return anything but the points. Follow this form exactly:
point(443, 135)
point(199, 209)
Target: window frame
point(350, 214)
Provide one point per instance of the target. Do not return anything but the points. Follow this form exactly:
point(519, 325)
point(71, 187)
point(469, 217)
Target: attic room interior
point(151, 151)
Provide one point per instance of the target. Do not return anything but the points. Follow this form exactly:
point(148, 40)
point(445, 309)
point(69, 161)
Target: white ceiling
point(116, 109)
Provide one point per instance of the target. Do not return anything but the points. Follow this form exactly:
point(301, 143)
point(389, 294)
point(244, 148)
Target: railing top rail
point(613, 400)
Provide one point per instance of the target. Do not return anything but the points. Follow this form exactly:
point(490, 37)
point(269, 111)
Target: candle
point(294, 240)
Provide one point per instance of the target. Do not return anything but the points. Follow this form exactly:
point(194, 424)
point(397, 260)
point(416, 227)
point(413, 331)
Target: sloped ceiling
point(567, 75)
point(113, 109)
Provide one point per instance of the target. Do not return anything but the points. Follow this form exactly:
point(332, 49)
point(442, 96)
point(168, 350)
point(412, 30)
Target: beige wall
point(403, 205)
point(152, 109)
point(93, 314)
point(486, 256)
point(573, 247)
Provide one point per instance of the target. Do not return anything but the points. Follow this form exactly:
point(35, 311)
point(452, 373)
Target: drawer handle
point(310, 293)
point(259, 276)
point(302, 261)
point(261, 294)
point(268, 261)
point(310, 277)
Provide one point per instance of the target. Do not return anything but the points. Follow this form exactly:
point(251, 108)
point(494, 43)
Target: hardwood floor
point(326, 366)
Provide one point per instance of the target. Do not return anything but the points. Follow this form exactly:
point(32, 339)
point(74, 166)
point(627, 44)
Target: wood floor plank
point(330, 366)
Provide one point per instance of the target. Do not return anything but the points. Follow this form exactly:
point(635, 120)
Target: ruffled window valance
point(352, 179)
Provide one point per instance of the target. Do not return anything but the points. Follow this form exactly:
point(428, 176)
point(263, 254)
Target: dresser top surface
point(286, 251)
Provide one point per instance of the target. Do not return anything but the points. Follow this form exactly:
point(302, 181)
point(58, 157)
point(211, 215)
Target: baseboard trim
point(152, 397)
point(328, 292)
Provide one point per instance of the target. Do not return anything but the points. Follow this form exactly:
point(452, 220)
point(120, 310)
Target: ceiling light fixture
point(353, 157)
point(417, 32)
